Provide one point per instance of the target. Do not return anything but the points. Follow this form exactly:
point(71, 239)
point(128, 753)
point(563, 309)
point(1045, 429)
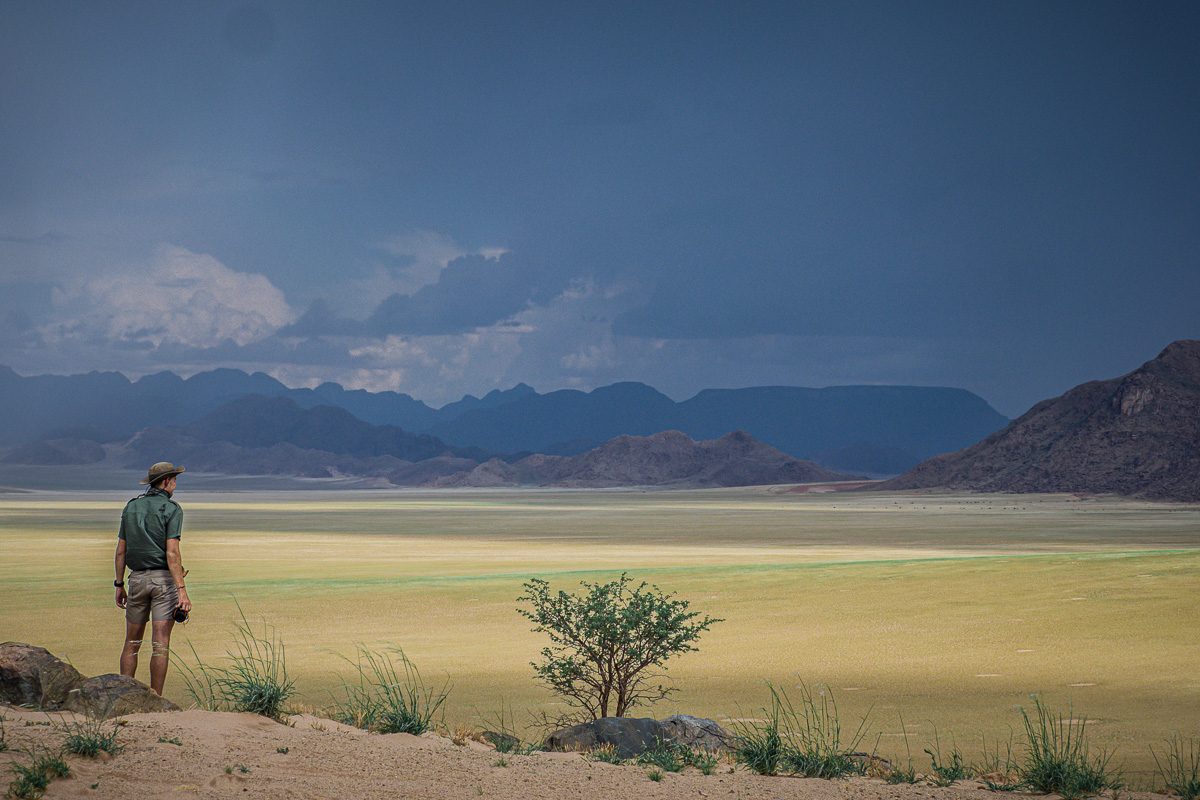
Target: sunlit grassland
point(949, 610)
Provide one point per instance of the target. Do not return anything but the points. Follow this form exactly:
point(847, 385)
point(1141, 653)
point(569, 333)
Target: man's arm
point(175, 564)
point(122, 598)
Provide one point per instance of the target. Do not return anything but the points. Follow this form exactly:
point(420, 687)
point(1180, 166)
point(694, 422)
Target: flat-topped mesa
point(1137, 435)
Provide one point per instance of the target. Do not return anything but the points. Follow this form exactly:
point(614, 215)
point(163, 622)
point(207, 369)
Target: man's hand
point(184, 602)
point(122, 598)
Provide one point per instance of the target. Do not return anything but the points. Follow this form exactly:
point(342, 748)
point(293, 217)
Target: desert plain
point(937, 617)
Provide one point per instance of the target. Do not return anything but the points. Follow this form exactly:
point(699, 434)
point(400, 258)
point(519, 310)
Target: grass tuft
point(1057, 760)
point(946, 772)
point(90, 738)
point(999, 773)
point(807, 741)
point(760, 743)
point(31, 780)
point(906, 775)
point(816, 748)
point(254, 679)
point(1179, 767)
point(909, 773)
point(606, 753)
point(655, 774)
point(388, 694)
point(667, 756)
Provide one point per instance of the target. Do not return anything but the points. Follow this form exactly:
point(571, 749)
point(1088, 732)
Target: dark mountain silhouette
point(799, 421)
point(32, 407)
point(542, 423)
point(57, 452)
point(258, 435)
point(258, 422)
point(919, 421)
point(1136, 435)
point(492, 399)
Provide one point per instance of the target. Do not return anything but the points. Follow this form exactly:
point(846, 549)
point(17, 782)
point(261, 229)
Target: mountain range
point(871, 429)
point(256, 435)
point(1138, 434)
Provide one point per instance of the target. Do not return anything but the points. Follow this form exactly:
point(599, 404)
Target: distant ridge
point(872, 429)
point(256, 421)
point(897, 424)
point(1138, 434)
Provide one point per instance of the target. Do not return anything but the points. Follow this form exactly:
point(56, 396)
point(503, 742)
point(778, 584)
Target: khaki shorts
point(152, 595)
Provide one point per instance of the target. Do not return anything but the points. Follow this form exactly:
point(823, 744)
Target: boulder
point(698, 733)
point(504, 742)
point(112, 695)
point(630, 737)
point(33, 676)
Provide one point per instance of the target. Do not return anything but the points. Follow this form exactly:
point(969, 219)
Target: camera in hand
point(181, 615)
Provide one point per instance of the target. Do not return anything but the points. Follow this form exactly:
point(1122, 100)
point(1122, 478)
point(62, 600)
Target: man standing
point(148, 543)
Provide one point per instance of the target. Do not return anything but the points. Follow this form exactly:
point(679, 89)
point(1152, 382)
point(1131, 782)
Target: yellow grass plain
point(945, 611)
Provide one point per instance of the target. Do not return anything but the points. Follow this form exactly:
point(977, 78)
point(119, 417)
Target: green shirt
point(146, 524)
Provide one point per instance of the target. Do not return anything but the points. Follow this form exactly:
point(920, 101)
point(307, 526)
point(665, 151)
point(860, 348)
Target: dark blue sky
point(447, 197)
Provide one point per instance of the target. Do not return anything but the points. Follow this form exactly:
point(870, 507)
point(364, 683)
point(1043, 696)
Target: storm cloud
point(443, 199)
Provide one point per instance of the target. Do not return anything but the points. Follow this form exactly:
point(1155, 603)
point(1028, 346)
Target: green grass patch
point(90, 738)
point(1058, 761)
point(760, 744)
point(386, 694)
point(804, 739)
point(253, 678)
point(31, 780)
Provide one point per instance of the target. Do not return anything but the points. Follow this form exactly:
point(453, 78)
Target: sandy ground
point(229, 755)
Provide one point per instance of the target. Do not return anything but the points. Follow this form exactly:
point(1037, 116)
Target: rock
point(630, 737)
point(33, 676)
point(112, 695)
point(504, 742)
point(695, 732)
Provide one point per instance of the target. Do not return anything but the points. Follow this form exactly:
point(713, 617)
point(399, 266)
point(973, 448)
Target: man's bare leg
point(160, 657)
point(133, 643)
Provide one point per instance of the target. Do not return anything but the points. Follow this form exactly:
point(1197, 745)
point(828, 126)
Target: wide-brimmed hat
point(163, 469)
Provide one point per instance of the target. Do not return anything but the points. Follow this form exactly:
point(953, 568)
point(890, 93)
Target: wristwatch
point(118, 584)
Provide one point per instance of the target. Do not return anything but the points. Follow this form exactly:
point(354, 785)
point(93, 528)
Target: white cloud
point(182, 298)
point(568, 341)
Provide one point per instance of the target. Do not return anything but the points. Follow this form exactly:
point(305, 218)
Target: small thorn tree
point(609, 643)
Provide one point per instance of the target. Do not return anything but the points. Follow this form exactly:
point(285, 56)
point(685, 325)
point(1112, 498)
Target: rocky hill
point(669, 458)
point(1138, 434)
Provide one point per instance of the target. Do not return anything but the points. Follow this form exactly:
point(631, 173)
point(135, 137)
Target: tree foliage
point(609, 643)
